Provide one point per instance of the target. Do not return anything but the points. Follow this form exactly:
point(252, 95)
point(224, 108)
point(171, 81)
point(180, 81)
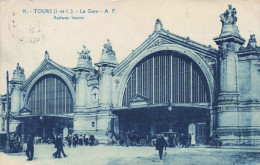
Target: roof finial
point(158, 25)
point(47, 55)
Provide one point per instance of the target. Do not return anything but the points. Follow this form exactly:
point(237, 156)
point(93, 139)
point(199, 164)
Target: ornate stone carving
point(210, 63)
point(159, 42)
point(229, 19)
point(84, 54)
point(117, 81)
point(225, 48)
point(252, 44)
point(19, 69)
point(158, 25)
point(104, 70)
point(14, 87)
point(18, 74)
point(108, 48)
point(47, 67)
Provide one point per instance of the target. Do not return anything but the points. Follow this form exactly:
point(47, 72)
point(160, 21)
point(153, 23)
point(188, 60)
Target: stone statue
point(19, 69)
point(84, 54)
point(108, 48)
point(228, 17)
point(252, 42)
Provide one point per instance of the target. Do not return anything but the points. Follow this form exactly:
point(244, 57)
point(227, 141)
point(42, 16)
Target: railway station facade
point(168, 84)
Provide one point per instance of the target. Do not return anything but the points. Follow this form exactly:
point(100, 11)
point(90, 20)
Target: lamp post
point(7, 144)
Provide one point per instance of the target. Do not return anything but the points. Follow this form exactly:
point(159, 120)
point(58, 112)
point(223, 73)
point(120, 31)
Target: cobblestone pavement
point(113, 155)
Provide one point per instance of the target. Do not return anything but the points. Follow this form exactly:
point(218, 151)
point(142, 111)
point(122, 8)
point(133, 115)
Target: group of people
point(80, 140)
point(173, 141)
point(182, 140)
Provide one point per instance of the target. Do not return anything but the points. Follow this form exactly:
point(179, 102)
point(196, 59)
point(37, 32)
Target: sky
point(25, 36)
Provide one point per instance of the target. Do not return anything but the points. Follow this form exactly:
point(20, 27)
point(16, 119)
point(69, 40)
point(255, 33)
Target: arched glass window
point(165, 76)
point(50, 95)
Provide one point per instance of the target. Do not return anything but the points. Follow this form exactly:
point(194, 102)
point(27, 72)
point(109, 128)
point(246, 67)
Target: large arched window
point(167, 76)
point(50, 95)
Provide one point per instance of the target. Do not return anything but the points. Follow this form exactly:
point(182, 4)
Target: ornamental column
point(106, 65)
point(82, 71)
point(229, 42)
point(16, 95)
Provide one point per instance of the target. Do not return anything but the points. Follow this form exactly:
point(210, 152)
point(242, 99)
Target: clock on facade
point(94, 94)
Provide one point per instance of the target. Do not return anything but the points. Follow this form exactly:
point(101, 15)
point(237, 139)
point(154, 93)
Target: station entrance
point(152, 121)
point(44, 127)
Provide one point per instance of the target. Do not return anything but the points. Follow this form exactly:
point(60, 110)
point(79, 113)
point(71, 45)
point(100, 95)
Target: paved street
point(112, 155)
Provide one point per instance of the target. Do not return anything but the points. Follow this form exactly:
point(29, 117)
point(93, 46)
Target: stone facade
point(232, 74)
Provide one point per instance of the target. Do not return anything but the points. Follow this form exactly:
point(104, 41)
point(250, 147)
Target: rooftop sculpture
point(84, 54)
point(108, 48)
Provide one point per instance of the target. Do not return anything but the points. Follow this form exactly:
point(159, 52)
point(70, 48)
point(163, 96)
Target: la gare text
point(69, 11)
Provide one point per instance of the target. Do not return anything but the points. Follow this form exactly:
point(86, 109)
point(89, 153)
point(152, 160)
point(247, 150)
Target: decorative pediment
point(25, 110)
point(161, 37)
point(49, 65)
point(160, 42)
point(138, 100)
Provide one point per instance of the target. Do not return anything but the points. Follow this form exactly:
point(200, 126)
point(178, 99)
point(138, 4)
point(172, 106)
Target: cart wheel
point(142, 142)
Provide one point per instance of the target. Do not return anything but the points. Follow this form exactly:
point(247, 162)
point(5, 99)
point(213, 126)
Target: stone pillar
point(16, 95)
point(15, 98)
point(81, 90)
point(229, 43)
point(16, 82)
point(83, 70)
point(105, 86)
point(106, 65)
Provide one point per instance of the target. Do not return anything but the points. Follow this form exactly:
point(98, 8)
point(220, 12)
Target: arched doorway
point(50, 104)
point(165, 91)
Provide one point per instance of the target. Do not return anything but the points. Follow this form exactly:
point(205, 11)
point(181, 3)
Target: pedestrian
point(30, 148)
point(74, 141)
point(182, 140)
point(60, 147)
point(80, 140)
point(68, 138)
point(86, 140)
point(55, 141)
point(160, 144)
point(174, 141)
point(170, 140)
point(91, 140)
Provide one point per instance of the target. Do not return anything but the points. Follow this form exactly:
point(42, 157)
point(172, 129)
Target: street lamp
point(7, 144)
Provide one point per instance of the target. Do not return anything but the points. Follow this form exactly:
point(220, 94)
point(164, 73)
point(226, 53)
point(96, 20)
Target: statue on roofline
point(229, 16)
point(252, 42)
point(19, 69)
point(108, 48)
point(84, 54)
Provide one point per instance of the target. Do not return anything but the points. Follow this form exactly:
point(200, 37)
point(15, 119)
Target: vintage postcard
point(130, 82)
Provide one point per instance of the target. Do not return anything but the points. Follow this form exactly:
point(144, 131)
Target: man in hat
point(60, 147)
point(160, 144)
point(30, 148)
